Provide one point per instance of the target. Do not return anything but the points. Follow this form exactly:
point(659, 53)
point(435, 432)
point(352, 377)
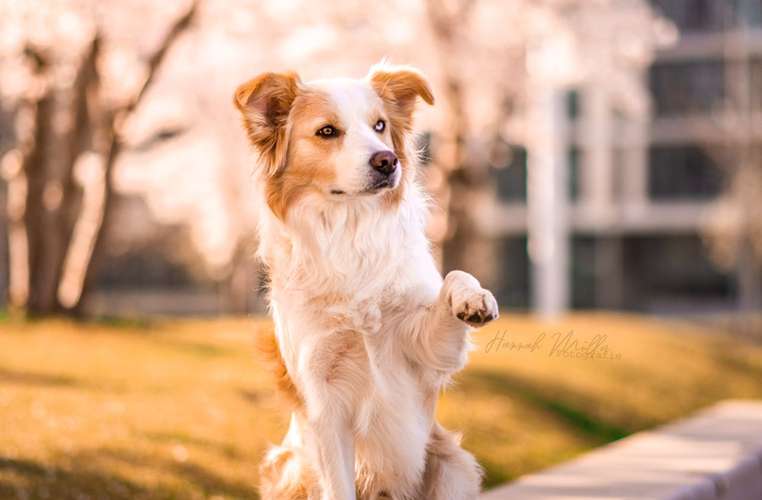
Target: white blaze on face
point(358, 108)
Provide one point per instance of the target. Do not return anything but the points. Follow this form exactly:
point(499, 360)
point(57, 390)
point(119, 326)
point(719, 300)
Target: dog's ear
point(399, 86)
point(264, 103)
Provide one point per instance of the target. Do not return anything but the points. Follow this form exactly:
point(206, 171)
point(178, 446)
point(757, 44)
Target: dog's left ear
point(399, 87)
point(265, 103)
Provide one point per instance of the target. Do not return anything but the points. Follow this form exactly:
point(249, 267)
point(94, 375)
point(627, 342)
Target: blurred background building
point(585, 158)
point(642, 189)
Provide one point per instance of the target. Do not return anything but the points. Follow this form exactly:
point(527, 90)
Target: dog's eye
point(327, 131)
point(379, 126)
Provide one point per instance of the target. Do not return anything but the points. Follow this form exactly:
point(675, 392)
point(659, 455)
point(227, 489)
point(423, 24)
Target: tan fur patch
point(340, 357)
point(274, 484)
point(264, 103)
point(309, 156)
point(267, 348)
point(398, 89)
point(448, 466)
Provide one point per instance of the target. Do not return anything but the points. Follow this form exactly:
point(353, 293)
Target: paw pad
point(471, 303)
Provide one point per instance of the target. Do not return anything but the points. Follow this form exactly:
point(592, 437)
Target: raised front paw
point(468, 301)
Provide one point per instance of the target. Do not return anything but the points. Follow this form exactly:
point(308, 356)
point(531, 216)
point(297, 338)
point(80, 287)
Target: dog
point(367, 333)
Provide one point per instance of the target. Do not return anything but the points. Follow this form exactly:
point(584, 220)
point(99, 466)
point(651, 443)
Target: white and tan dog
point(367, 331)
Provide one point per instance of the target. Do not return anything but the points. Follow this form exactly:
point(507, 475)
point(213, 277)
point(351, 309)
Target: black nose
point(384, 162)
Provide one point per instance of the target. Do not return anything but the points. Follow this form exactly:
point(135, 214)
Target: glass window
point(683, 172)
point(670, 271)
point(756, 84)
point(513, 269)
point(573, 157)
point(687, 86)
point(572, 104)
point(696, 16)
point(583, 272)
point(707, 16)
point(512, 179)
point(748, 12)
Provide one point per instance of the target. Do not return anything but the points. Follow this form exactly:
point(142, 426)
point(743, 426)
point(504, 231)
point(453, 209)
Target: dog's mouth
point(385, 183)
point(388, 182)
point(376, 185)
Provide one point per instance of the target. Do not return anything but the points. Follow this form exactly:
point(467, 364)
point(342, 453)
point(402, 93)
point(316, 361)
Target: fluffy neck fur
point(353, 246)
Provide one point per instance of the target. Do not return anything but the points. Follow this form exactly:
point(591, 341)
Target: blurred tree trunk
point(4, 218)
point(737, 245)
point(53, 197)
point(450, 156)
point(37, 220)
point(68, 124)
point(744, 191)
point(115, 146)
point(241, 283)
point(7, 139)
point(749, 272)
point(464, 177)
point(4, 279)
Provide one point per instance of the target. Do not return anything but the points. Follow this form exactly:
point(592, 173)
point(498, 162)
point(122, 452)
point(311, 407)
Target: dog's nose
point(384, 162)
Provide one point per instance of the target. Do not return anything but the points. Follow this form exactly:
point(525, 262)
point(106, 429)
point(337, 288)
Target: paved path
point(716, 454)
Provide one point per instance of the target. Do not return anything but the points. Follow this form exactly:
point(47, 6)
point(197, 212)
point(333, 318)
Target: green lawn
point(180, 409)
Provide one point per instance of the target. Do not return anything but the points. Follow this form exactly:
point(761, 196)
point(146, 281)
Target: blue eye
point(327, 131)
point(380, 126)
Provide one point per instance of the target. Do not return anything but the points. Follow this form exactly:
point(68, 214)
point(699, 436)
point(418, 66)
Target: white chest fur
point(346, 284)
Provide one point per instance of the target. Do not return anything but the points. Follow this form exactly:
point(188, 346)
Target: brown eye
point(380, 126)
point(327, 131)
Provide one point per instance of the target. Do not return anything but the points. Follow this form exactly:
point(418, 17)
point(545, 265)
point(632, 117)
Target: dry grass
point(181, 410)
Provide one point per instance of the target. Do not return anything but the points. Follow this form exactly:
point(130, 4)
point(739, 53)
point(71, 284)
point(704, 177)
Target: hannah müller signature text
point(556, 345)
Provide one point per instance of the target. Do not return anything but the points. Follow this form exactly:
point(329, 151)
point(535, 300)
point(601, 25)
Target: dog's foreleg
point(333, 451)
point(438, 331)
point(329, 439)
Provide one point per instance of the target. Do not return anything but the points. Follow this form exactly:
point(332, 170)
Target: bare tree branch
point(157, 58)
point(116, 145)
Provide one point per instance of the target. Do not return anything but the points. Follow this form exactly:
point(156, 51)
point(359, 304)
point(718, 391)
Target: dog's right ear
point(264, 103)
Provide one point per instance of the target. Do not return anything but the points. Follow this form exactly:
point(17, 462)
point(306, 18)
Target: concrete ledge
point(716, 454)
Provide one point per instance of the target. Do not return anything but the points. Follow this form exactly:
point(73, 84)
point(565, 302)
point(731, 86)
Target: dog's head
point(338, 140)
